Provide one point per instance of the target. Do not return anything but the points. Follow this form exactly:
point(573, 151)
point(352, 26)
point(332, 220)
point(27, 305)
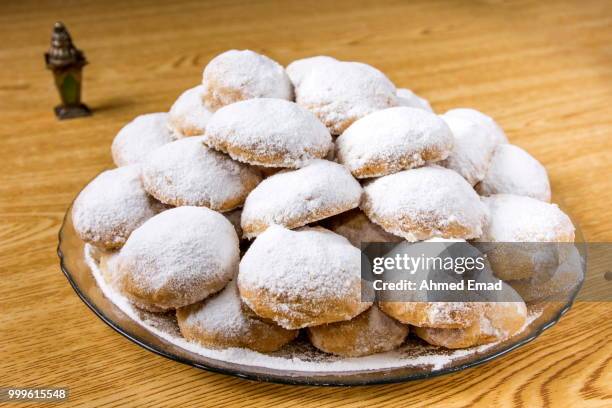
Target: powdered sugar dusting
point(473, 148)
point(238, 75)
point(377, 320)
point(223, 314)
point(565, 278)
point(293, 358)
point(445, 313)
point(179, 257)
point(514, 171)
point(299, 69)
point(223, 321)
point(502, 319)
point(186, 172)
point(312, 262)
point(370, 332)
point(309, 277)
point(140, 137)
point(111, 206)
point(268, 132)
point(298, 197)
point(393, 139)
point(340, 93)
point(406, 97)
point(515, 218)
point(431, 198)
point(188, 116)
point(481, 119)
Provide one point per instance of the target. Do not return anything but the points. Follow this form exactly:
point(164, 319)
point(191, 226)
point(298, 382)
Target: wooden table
point(542, 69)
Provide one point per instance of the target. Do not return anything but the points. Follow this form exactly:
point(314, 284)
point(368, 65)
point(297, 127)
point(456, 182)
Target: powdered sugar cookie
point(268, 132)
point(369, 333)
point(515, 218)
point(238, 75)
point(406, 97)
point(514, 236)
point(140, 137)
point(221, 322)
point(514, 171)
point(339, 94)
point(391, 140)
point(434, 314)
point(496, 132)
point(424, 203)
point(299, 69)
point(426, 307)
point(177, 258)
point(302, 278)
point(561, 282)
point(186, 172)
point(188, 116)
point(111, 206)
point(499, 321)
point(357, 228)
point(298, 197)
point(472, 149)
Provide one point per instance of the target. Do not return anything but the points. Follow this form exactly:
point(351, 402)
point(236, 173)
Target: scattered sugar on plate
point(296, 357)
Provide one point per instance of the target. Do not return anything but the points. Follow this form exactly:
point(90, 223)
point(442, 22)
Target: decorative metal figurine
point(66, 62)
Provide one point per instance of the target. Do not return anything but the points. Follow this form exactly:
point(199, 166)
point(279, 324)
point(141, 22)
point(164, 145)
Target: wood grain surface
point(542, 69)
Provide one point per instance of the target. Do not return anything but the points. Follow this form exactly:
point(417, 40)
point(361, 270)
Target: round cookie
point(514, 171)
point(234, 76)
point(472, 150)
point(339, 94)
point(565, 278)
point(188, 116)
point(499, 321)
point(186, 172)
point(515, 218)
point(533, 261)
point(298, 197)
point(268, 132)
point(302, 278)
point(391, 140)
point(140, 137)
point(423, 203)
point(357, 228)
point(430, 307)
point(515, 236)
point(177, 258)
point(222, 322)
point(496, 132)
point(369, 333)
point(111, 206)
point(447, 315)
point(299, 69)
point(406, 97)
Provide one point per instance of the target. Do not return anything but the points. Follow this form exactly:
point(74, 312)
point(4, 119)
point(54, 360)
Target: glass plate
point(73, 264)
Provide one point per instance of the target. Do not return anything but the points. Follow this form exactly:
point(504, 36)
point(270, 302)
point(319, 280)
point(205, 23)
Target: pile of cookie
point(242, 209)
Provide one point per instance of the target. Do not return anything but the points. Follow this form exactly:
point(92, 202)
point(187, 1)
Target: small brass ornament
point(66, 62)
